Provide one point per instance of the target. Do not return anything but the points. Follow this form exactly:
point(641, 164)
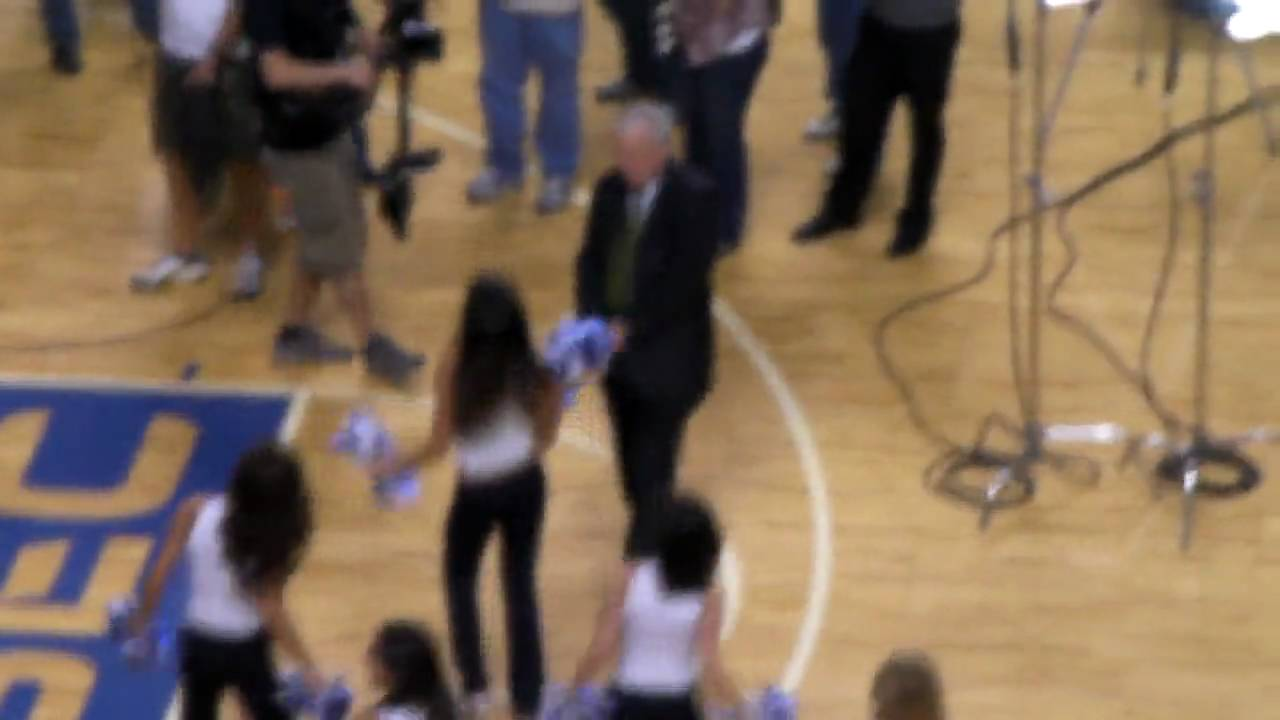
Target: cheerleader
point(405, 668)
point(907, 687)
point(498, 409)
point(242, 547)
point(662, 619)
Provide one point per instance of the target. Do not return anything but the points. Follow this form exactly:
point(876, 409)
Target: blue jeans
point(512, 44)
point(714, 99)
point(60, 22)
point(838, 30)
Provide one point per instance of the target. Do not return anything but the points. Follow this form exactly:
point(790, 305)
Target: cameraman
point(314, 86)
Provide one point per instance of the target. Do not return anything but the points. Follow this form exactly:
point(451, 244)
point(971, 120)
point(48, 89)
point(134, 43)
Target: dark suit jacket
point(669, 350)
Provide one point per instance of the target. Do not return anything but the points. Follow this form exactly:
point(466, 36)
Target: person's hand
point(359, 73)
point(389, 467)
point(204, 73)
point(620, 332)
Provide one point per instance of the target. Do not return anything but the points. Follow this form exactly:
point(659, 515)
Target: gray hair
point(654, 117)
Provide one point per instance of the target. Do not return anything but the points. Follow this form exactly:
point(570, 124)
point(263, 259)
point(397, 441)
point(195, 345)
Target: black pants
point(515, 507)
point(647, 435)
point(638, 707)
point(714, 99)
point(210, 666)
point(887, 64)
point(644, 27)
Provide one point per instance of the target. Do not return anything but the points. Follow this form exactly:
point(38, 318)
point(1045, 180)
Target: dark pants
point(514, 507)
point(889, 63)
point(648, 42)
point(210, 666)
point(838, 31)
point(714, 99)
point(61, 24)
point(647, 435)
point(638, 707)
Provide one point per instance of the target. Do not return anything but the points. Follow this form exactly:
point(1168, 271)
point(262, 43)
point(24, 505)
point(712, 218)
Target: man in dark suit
point(646, 264)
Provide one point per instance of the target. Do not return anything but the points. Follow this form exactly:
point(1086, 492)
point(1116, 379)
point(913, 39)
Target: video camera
point(409, 40)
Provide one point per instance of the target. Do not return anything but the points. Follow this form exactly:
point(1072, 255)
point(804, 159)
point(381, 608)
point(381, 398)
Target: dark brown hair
point(907, 687)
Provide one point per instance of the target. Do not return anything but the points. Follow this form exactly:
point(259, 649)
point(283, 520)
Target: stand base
point(991, 480)
point(1187, 469)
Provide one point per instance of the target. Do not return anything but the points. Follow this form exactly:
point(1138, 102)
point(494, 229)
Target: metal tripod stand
point(1009, 479)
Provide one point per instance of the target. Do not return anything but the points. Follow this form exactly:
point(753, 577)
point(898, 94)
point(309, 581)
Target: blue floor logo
point(89, 479)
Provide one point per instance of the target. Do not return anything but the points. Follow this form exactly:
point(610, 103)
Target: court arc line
point(823, 544)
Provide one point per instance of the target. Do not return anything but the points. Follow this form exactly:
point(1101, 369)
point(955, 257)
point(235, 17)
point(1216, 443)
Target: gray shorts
point(325, 188)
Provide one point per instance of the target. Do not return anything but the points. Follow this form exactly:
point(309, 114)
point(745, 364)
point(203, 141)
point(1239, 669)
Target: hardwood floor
point(1078, 606)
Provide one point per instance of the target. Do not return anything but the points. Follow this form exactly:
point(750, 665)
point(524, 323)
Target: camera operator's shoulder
point(693, 180)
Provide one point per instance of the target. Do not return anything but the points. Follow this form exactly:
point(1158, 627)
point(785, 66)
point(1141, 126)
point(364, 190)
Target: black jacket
point(669, 350)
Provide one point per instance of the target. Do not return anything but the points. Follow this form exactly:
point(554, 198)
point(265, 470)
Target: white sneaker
point(247, 281)
point(168, 269)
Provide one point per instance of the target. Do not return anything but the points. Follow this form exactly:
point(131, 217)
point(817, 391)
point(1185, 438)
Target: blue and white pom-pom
point(578, 350)
point(365, 438)
point(586, 703)
point(332, 704)
point(155, 649)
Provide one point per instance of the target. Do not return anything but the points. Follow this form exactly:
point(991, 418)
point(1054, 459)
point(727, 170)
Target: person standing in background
point(838, 31)
point(724, 44)
point(646, 265)
point(645, 33)
point(516, 35)
point(62, 27)
point(203, 124)
point(905, 47)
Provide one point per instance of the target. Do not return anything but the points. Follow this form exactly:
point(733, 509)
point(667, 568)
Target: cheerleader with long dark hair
point(661, 621)
point(498, 408)
point(405, 667)
point(242, 548)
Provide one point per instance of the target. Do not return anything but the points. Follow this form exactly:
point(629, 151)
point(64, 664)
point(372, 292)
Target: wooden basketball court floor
point(1078, 607)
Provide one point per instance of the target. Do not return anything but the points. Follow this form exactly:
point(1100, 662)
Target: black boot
point(913, 233)
point(820, 227)
point(66, 60)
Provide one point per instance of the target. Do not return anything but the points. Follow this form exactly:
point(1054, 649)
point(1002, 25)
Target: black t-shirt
point(315, 30)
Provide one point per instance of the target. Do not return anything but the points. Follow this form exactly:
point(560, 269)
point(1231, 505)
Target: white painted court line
point(815, 478)
point(797, 424)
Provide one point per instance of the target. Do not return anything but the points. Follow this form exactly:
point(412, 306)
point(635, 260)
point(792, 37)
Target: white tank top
point(502, 445)
point(659, 635)
point(217, 607)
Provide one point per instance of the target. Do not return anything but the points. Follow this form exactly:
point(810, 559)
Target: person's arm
point(279, 624)
point(548, 414)
point(606, 640)
point(282, 71)
point(206, 71)
point(174, 543)
point(439, 440)
point(692, 259)
point(715, 678)
point(592, 263)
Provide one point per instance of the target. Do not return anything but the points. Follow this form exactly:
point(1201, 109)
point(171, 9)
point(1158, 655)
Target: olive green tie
point(619, 288)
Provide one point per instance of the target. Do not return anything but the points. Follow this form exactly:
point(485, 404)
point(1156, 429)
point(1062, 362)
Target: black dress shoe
point(913, 233)
point(819, 227)
point(66, 60)
point(618, 91)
